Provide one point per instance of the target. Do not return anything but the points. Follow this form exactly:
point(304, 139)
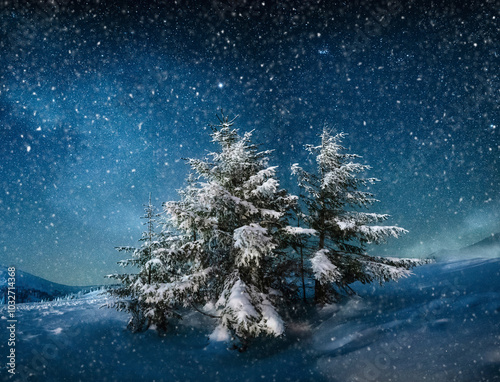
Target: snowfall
point(440, 324)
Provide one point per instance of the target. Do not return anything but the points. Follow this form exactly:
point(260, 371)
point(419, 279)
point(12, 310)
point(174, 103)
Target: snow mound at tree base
point(442, 324)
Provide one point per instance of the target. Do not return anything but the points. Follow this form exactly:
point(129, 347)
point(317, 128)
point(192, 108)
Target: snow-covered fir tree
point(334, 199)
point(230, 222)
point(150, 269)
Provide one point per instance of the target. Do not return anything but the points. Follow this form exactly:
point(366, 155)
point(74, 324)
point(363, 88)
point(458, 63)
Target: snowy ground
point(442, 324)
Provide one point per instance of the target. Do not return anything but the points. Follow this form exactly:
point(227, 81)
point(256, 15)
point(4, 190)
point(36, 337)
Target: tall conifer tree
point(230, 220)
point(334, 198)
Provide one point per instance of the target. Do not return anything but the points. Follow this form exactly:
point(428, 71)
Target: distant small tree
point(334, 197)
point(132, 295)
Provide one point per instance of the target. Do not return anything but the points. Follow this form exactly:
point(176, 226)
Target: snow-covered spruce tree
point(334, 198)
point(230, 220)
point(150, 271)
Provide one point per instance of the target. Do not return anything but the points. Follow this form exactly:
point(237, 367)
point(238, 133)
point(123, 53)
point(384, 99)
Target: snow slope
point(442, 324)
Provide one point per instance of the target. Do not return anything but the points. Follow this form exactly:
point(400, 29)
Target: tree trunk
point(302, 274)
point(319, 293)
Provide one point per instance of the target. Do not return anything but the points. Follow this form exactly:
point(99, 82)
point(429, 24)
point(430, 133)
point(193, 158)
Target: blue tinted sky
point(99, 103)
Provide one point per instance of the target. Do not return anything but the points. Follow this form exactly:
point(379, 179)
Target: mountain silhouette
point(489, 247)
point(490, 241)
point(31, 288)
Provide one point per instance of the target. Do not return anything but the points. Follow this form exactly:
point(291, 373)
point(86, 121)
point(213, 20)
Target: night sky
point(101, 100)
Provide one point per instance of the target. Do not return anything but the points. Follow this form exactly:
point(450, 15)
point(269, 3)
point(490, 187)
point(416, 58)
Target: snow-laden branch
point(254, 243)
point(378, 234)
point(385, 272)
point(188, 284)
point(297, 231)
point(247, 311)
point(323, 269)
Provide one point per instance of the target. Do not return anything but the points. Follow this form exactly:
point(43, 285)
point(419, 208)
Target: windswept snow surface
point(441, 324)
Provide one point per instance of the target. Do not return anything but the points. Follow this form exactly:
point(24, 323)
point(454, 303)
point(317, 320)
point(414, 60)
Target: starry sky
point(101, 100)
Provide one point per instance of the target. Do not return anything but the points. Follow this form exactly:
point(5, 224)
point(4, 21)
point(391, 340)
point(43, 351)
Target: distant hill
point(486, 248)
point(490, 241)
point(31, 288)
